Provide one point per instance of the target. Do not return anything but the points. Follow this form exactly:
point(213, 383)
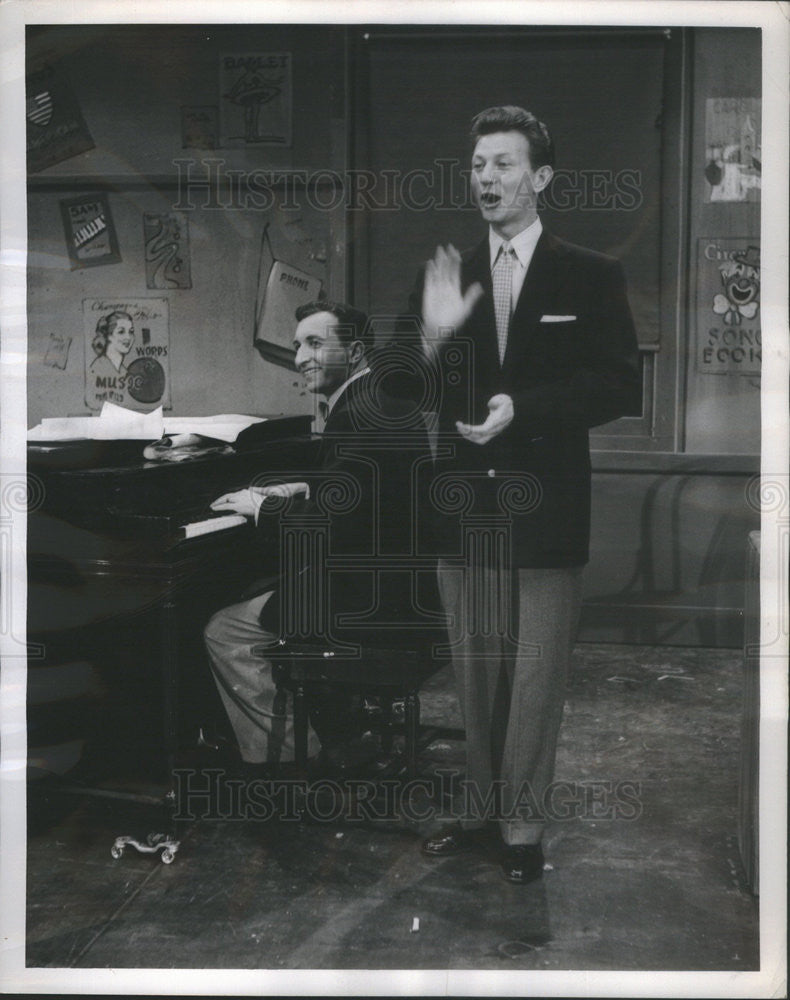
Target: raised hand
point(445, 308)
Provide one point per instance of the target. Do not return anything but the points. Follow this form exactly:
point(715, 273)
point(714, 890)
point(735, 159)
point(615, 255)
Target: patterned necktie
point(502, 280)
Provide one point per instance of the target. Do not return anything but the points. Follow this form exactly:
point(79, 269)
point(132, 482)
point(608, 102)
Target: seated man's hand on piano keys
point(244, 502)
point(248, 501)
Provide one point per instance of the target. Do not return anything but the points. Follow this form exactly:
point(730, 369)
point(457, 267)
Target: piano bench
point(393, 673)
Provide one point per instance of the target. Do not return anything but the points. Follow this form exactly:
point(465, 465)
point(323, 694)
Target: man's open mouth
point(489, 199)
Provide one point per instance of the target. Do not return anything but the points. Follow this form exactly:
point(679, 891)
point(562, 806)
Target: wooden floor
point(643, 870)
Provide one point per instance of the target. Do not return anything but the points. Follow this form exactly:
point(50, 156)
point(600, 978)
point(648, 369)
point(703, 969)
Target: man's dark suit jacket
point(374, 463)
point(564, 376)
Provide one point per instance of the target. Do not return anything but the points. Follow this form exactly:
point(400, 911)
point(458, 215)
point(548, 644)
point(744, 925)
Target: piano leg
point(412, 726)
point(170, 694)
point(167, 843)
point(300, 724)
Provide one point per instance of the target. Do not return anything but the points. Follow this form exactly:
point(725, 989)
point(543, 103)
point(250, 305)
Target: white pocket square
point(556, 319)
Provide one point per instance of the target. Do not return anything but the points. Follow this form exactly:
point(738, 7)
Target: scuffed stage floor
point(644, 873)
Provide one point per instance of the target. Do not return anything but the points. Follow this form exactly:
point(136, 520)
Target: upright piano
point(118, 594)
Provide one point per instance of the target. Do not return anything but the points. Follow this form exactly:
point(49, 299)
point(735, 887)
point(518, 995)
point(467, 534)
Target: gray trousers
point(510, 653)
point(259, 715)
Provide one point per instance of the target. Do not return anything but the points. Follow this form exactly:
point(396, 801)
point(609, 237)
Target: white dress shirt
point(523, 245)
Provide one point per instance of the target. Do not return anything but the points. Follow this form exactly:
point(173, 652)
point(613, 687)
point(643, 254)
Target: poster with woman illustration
point(127, 353)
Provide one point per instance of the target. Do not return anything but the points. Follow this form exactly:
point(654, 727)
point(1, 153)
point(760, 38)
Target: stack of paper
point(223, 426)
point(114, 422)
point(118, 423)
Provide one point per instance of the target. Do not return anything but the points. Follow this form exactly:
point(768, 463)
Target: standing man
point(371, 445)
point(551, 352)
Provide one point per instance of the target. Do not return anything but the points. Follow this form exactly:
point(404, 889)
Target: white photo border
point(774, 19)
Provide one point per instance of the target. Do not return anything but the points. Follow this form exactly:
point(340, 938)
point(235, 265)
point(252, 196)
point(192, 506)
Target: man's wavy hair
point(352, 323)
point(510, 118)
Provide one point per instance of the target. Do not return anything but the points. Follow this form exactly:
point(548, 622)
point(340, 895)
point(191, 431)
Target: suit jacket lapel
point(545, 273)
point(337, 424)
point(335, 419)
point(479, 269)
point(339, 419)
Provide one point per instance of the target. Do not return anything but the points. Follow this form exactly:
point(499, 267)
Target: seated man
point(373, 449)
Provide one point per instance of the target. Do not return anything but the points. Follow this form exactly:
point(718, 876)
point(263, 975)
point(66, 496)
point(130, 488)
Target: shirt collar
point(331, 400)
point(523, 243)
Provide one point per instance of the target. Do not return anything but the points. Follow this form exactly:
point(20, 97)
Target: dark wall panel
point(600, 95)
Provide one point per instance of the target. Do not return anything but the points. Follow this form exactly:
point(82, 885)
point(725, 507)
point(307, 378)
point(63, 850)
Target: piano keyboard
point(89, 230)
point(212, 524)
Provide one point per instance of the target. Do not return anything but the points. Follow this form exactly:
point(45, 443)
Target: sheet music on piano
point(118, 422)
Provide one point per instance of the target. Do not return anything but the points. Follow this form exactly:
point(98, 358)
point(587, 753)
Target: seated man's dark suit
point(374, 464)
point(334, 582)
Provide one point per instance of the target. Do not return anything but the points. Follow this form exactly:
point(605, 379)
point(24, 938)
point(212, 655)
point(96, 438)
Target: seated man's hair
point(510, 118)
point(352, 324)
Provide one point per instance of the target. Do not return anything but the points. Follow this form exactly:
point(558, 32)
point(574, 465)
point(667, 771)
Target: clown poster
point(728, 306)
point(127, 347)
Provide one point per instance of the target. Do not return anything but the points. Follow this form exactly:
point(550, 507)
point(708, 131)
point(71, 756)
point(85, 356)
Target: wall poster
point(90, 233)
point(282, 288)
point(729, 339)
point(127, 348)
point(56, 129)
point(256, 99)
point(167, 262)
point(733, 153)
point(199, 126)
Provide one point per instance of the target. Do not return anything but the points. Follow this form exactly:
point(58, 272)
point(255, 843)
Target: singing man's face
point(321, 357)
point(504, 185)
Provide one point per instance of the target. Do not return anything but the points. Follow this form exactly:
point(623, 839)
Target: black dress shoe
point(249, 772)
point(451, 840)
point(522, 863)
point(384, 765)
point(348, 760)
point(287, 770)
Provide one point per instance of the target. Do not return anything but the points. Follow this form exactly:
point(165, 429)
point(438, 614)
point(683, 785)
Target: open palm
point(445, 308)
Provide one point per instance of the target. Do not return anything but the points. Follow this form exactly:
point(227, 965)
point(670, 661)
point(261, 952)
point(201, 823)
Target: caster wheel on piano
point(116, 852)
point(168, 856)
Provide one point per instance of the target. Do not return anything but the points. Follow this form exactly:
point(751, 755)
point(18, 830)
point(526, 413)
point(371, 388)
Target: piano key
point(211, 524)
